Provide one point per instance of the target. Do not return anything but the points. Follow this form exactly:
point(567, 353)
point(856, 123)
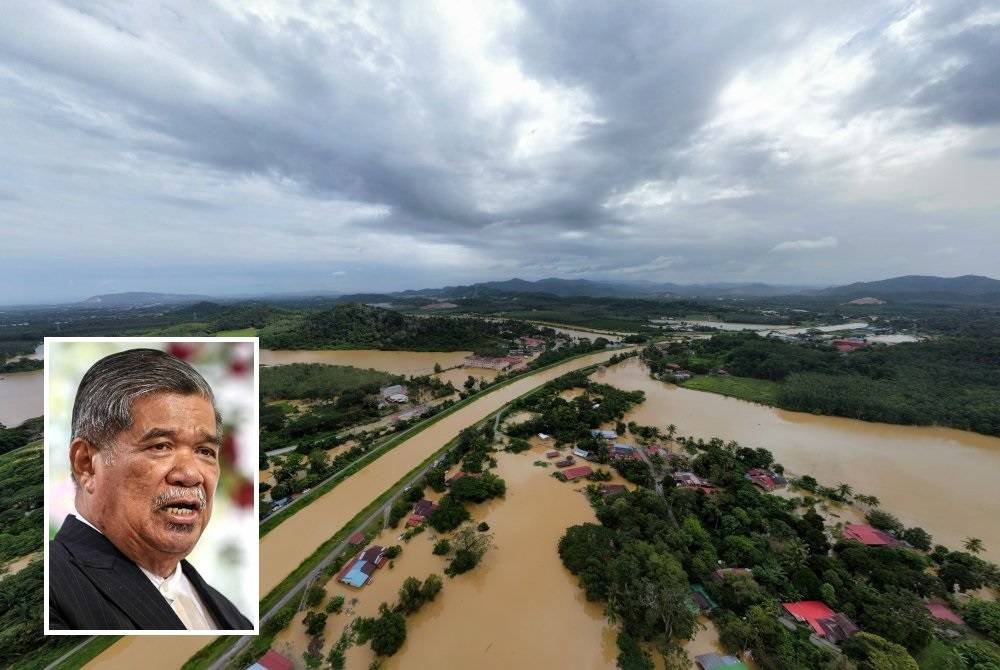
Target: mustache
point(187, 494)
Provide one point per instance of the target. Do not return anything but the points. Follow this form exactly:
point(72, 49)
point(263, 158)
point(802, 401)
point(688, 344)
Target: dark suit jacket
point(93, 586)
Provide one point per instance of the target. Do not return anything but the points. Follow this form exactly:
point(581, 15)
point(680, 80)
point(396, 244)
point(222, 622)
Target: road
point(290, 543)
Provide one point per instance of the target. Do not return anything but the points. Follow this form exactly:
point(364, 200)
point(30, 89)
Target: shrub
point(442, 547)
point(315, 595)
point(335, 605)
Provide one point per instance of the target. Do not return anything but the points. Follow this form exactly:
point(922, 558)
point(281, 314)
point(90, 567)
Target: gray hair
point(104, 399)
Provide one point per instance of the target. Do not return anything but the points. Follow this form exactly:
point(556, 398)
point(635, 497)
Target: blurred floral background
point(226, 555)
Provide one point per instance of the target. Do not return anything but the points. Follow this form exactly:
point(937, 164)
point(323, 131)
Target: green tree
point(872, 652)
point(431, 587)
point(315, 595)
point(411, 599)
point(973, 545)
point(441, 547)
point(388, 632)
point(314, 622)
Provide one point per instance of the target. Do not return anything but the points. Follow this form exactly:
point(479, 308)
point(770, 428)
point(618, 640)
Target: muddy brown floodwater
point(20, 397)
point(941, 479)
point(285, 547)
point(394, 362)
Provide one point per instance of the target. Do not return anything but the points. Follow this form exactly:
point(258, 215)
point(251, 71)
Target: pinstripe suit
point(93, 586)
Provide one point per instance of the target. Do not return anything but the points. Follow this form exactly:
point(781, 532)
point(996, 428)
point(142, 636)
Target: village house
point(566, 462)
point(532, 343)
point(828, 625)
point(356, 539)
point(552, 454)
point(492, 362)
point(608, 490)
point(577, 472)
point(582, 453)
point(766, 479)
point(604, 434)
point(849, 345)
point(690, 480)
point(359, 569)
point(620, 450)
point(272, 660)
point(421, 510)
point(395, 390)
point(458, 475)
point(714, 661)
point(942, 612)
point(869, 536)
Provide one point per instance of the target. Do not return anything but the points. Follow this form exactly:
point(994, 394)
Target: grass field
point(744, 388)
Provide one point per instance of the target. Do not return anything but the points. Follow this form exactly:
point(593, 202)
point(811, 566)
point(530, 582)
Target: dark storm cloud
point(538, 138)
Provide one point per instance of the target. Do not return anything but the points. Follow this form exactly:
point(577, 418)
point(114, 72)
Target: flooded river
point(941, 479)
point(395, 362)
point(20, 397)
point(284, 548)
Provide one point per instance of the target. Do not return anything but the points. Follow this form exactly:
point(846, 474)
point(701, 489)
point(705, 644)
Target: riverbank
point(936, 478)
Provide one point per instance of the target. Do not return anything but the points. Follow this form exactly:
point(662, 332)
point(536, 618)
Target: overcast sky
point(239, 147)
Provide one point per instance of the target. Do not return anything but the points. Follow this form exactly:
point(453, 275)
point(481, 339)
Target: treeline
point(21, 365)
point(646, 551)
point(363, 326)
point(948, 381)
point(15, 438)
point(314, 380)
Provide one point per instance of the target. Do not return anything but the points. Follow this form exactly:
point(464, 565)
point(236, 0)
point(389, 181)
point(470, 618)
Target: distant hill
point(575, 288)
point(143, 299)
point(921, 288)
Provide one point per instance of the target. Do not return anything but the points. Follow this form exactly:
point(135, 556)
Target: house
point(566, 462)
point(684, 478)
point(492, 362)
point(656, 450)
point(608, 490)
point(849, 345)
point(399, 398)
point(701, 599)
point(577, 472)
point(619, 449)
point(552, 454)
point(766, 479)
point(424, 507)
point(942, 612)
point(722, 574)
point(604, 434)
point(715, 661)
point(532, 343)
point(869, 536)
point(395, 389)
point(828, 625)
point(582, 453)
point(359, 570)
point(272, 660)
point(357, 539)
point(407, 414)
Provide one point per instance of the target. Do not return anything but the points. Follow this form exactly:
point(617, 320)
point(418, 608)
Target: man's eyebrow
point(203, 436)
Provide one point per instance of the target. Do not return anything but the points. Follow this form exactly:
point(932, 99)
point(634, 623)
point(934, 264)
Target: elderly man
point(144, 457)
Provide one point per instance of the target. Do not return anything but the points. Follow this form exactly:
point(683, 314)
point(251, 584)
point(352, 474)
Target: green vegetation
point(315, 381)
point(22, 365)
point(744, 388)
point(647, 550)
point(15, 438)
point(470, 546)
point(363, 326)
point(949, 381)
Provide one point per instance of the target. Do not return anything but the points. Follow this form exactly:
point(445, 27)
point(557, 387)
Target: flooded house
point(870, 536)
point(359, 569)
point(577, 472)
point(826, 624)
point(768, 480)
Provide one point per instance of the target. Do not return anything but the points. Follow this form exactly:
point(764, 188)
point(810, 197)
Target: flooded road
point(284, 548)
point(21, 397)
point(941, 479)
point(394, 362)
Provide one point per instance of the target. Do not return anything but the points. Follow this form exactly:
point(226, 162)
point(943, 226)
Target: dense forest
point(949, 381)
point(14, 438)
point(317, 381)
point(363, 326)
point(647, 550)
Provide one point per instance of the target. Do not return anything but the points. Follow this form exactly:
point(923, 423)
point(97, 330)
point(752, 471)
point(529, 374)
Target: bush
point(449, 515)
point(393, 551)
point(335, 605)
point(984, 616)
point(315, 595)
point(388, 632)
point(314, 622)
point(442, 547)
point(431, 587)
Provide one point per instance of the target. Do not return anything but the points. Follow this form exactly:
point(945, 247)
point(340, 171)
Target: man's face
point(155, 499)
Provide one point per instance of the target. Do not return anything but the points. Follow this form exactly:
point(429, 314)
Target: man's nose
point(184, 470)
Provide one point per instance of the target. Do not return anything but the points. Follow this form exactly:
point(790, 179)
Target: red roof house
point(552, 454)
point(272, 660)
point(826, 623)
point(847, 346)
point(944, 613)
point(867, 535)
point(576, 473)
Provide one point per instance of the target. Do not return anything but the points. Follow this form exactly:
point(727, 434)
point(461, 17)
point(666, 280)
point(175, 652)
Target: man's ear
point(82, 460)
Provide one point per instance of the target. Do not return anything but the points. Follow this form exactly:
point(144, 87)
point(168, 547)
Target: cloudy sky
point(237, 147)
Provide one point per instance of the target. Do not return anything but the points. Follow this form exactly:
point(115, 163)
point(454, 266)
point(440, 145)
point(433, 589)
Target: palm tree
point(671, 429)
point(844, 490)
point(973, 545)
